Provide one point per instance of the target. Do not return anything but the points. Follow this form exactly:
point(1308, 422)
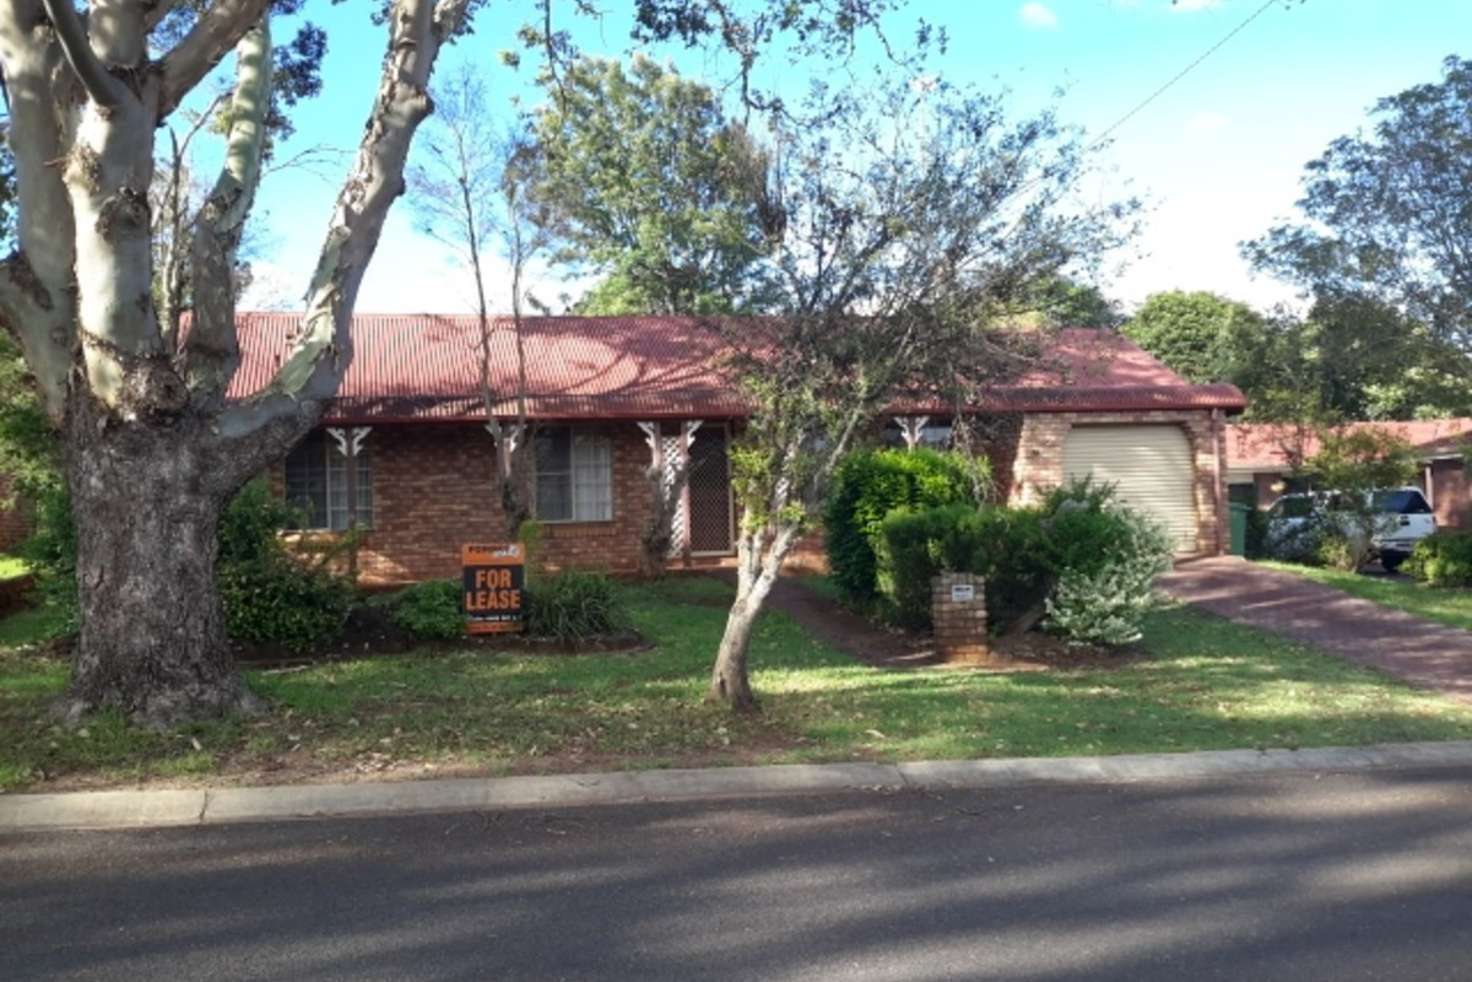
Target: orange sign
point(493, 595)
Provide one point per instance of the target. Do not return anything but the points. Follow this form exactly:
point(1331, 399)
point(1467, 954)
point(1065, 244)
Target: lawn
point(1198, 683)
point(11, 567)
point(1445, 604)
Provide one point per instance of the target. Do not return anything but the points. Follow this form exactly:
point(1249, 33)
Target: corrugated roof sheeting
point(426, 367)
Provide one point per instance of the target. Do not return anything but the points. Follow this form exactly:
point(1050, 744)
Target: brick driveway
point(1421, 652)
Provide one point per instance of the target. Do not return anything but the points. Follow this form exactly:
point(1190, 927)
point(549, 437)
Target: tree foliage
point(1386, 213)
point(1204, 337)
point(650, 188)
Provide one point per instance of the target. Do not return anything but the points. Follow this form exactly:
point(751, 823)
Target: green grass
point(12, 567)
point(1199, 683)
point(1448, 605)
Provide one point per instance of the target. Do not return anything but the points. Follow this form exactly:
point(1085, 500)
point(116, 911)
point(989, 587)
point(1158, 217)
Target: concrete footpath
point(219, 806)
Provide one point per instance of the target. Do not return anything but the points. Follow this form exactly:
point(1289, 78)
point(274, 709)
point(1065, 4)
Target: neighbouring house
point(1264, 460)
point(15, 517)
point(610, 395)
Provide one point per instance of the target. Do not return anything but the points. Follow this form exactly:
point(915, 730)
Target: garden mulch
point(873, 644)
point(1419, 651)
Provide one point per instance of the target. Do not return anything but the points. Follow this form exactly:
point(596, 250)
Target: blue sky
point(1217, 157)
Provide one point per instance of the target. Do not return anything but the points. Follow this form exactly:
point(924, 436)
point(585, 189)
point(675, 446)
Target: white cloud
point(1191, 6)
point(1037, 15)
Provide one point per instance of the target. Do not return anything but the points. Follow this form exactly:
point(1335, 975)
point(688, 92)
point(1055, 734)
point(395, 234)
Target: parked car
point(1402, 517)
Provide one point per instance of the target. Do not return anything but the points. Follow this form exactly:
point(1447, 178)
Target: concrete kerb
point(219, 806)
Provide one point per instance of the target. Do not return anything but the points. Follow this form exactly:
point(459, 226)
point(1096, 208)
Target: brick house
point(1263, 460)
point(609, 396)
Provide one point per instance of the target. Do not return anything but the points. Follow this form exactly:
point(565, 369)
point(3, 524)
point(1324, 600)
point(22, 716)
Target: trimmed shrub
point(909, 554)
point(871, 484)
point(275, 601)
point(1443, 559)
point(573, 606)
point(430, 610)
point(271, 597)
point(1084, 561)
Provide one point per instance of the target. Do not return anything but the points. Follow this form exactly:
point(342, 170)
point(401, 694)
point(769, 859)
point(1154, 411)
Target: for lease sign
point(493, 595)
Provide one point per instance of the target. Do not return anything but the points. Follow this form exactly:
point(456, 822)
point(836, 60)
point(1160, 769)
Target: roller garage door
point(1150, 465)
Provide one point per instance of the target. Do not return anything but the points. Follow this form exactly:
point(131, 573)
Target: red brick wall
point(15, 518)
point(1039, 462)
point(1449, 494)
point(432, 494)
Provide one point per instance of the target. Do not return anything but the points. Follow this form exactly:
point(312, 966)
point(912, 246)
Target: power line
point(1181, 74)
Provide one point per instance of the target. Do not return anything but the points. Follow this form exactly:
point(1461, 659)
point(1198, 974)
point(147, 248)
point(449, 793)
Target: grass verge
point(1446, 605)
point(1197, 683)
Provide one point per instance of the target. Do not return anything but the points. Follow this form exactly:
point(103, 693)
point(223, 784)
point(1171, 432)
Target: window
point(574, 476)
point(936, 436)
point(317, 483)
point(1293, 506)
point(1405, 501)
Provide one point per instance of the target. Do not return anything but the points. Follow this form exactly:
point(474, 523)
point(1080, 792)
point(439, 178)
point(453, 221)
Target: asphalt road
point(1365, 876)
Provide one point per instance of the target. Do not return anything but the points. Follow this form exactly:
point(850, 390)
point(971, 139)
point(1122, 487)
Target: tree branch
point(313, 370)
point(218, 29)
point(211, 352)
point(36, 303)
point(42, 325)
point(72, 36)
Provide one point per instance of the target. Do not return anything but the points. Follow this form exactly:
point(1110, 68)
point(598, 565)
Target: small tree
point(907, 213)
point(1351, 465)
point(469, 193)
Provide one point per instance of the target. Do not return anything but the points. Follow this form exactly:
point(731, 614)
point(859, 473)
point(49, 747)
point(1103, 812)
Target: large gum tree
point(152, 449)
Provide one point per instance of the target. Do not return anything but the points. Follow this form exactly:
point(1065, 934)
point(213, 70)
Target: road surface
point(1302, 877)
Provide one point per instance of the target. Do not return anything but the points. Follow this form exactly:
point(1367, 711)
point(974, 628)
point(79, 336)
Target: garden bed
point(370, 632)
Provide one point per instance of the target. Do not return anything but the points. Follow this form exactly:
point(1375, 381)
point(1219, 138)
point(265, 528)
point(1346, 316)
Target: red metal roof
point(425, 367)
point(1276, 447)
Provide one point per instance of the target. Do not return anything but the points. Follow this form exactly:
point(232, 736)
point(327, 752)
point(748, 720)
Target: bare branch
point(218, 29)
point(72, 36)
point(211, 352)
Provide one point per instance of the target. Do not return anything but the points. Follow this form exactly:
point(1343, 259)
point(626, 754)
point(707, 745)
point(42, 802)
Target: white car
point(1403, 517)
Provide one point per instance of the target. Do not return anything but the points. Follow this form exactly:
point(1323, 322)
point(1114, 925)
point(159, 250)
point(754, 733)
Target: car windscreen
point(1294, 507)
point(1403, 502)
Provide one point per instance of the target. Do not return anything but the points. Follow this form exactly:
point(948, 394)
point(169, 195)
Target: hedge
point(871, 484)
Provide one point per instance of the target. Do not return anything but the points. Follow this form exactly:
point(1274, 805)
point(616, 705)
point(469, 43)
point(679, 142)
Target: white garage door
point(1150, 466)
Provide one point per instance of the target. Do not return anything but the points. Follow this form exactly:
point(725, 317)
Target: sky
point(1217, 157)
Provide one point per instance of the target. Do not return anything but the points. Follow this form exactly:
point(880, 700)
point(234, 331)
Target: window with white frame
point(317, 483)
point(574, 475)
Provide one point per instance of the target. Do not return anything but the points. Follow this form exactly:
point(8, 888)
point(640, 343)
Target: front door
point(709, 491)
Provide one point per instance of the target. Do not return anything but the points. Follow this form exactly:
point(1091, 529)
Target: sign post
point(493, 595)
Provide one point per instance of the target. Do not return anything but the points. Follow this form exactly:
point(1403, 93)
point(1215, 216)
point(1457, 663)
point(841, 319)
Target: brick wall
point(1039, 462)
point(15, 518)
point(432, 493)
point(1449, 493)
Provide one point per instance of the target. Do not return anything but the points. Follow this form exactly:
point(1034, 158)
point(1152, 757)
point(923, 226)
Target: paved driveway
point(1417, 650)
